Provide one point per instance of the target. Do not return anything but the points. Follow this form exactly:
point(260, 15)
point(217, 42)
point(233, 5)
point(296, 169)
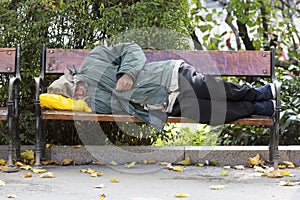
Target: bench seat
point(91, 116)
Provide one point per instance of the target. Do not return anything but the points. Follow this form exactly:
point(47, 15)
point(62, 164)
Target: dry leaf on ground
point(77, 146)
point(113, 163)
point(96, 174)
point(224, 173)
point(163, 163)
point(47, 175)
point(218, 187)
point(2, 183)
point(102, 196)
point(255, 161)
point(3, 167)
point(36, 170)
point(66, 161)
point(130, 165)
point(114, 180)
point(239, 167)
point(2, 162)
point(177, 169)
point(152, 161)
point(11, 196)
point(26, 167)
point(200, 164)
point(99, 186)
point(50, 162)
point(99, 163)
point(289, 164)
point(288, 183)
point(27, 175)
point(181, 195)
point(185, 162)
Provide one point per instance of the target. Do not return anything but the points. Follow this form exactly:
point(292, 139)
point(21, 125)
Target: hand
point(125, 83)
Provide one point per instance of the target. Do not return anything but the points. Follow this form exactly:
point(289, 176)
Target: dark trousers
point(210, 100)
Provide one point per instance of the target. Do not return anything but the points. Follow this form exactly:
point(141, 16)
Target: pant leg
point(211, 112)
point(209, 87)
point(205, 99)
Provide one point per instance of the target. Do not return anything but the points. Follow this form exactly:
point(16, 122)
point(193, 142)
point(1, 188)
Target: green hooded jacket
point(104, 65)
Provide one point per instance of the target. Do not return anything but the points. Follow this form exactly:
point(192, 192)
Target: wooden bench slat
point(225, 63)
point(87, 116)
point(7, 57)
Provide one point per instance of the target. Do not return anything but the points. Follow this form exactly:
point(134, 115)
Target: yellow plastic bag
point(59, 102)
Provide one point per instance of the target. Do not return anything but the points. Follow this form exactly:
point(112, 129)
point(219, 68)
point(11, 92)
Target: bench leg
point(11, 167)
point(37, 135)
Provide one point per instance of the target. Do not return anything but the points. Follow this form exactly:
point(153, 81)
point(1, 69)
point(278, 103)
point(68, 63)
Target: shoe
point(266, 108)
point(265, 92)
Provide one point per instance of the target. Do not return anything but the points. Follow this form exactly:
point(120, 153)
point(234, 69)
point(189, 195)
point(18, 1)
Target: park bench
point(10, 75)
point(224, 63)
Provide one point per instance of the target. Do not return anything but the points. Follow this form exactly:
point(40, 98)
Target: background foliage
point(157, 24)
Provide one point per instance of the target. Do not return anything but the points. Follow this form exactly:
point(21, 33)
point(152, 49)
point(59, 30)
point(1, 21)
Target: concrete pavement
point(147, 182)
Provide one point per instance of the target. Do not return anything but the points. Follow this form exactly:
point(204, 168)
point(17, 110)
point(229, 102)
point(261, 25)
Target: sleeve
point(132, 60)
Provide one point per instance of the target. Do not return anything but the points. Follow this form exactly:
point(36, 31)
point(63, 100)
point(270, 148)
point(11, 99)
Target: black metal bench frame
point(10, 66)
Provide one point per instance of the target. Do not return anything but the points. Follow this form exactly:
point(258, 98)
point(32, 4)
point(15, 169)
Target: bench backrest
point(225, 63)
point(10, 60)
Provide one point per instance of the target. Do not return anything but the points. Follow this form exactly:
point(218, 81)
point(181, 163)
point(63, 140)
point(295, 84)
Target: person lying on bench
point(118, 80)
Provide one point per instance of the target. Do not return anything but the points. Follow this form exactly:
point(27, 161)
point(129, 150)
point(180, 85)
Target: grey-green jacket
point(104, 65)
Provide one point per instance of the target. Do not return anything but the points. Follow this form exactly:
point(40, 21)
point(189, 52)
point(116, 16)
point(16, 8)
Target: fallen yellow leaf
point(96, 174)
point(178, 169)
point(77, 146)
point(224, 173)
point(185, 162)
point(102, 196)
point(27, 175)
point(67, 161)
point(114, 163)
point(200, 165)
point(48, 145)
point(99, 163)
point(275, 174)
point(288, 183)
point(181, 195)
point(217, 187)
point(130, 165)
point(281, 166)
point(36, 171)
point(239, 167)
point(99, 186)
point(114, 180)
point(169, 166)
point(2, 162)
point(226, 167)
point(50, 162)
point(3, 167)
point(289, 164)
point(26, 167)
point(11, 196)
point(256, 160)
point(2, 183)
point(163, 163)
point(19, 164)
point(152, 161)
point(47, 175)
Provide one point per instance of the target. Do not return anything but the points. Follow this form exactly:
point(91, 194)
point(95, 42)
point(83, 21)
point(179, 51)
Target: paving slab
point(147, 182)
